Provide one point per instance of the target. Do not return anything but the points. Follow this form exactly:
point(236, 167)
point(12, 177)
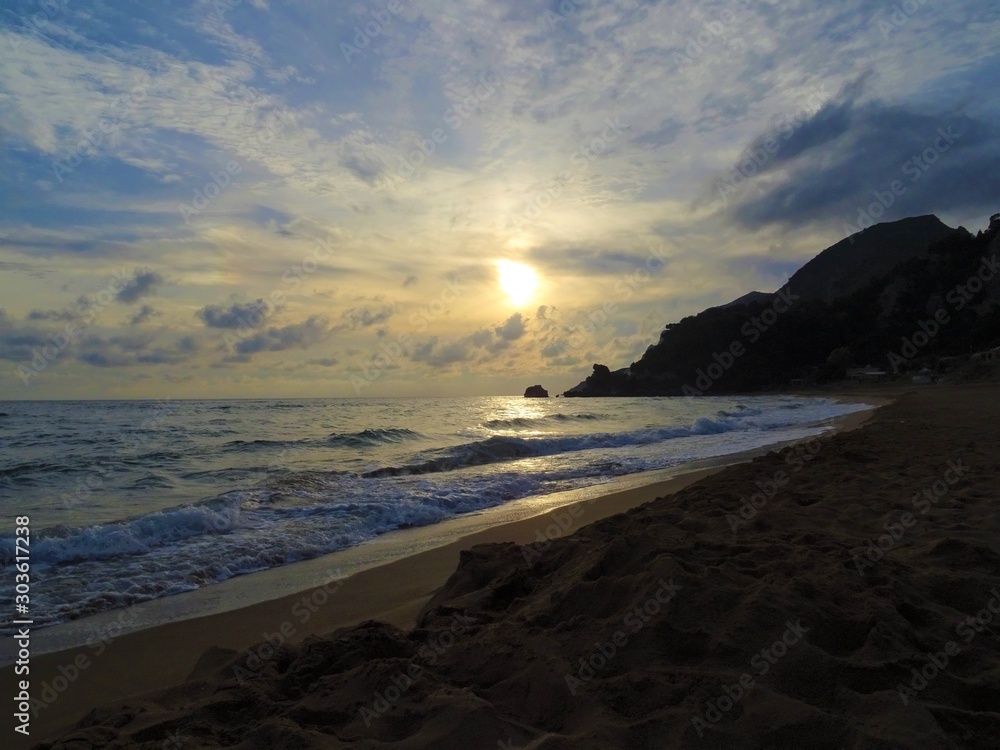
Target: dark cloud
point(145, 313)
point(594, 261)
point(490, 341)
point(511, 329)
point(423, 350)
point(722, 111)
point(24, 268)
point(57, 315)
point(247, 315)
point(133, 349)
point(482, 337)
point(409, 281)
point(366, 168)
point(324, 362)
point(142, 284)
point(457, 351)
point(364, 317)
point(847, 156)
point(296, 336)
point(554, 349)
point(18, 341)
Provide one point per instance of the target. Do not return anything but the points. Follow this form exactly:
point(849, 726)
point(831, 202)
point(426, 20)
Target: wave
point(505, 448)
point(64, 544)
point(532, 421)
point(242, 445)
point(33, 467)
point(372, 437)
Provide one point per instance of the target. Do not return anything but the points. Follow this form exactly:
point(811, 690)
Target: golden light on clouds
point(517, 281)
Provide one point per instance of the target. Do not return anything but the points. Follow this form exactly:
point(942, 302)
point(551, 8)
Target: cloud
point(668, 131)
point(364, 317)
point(129, 350)
point(246, 315)
point(844, 161)
point(142, 284)
point(59, 315)
point(144, 314)
point(457, 351)
point(276, 339)
point(18, 341)
point(484, 341)
point(511, 329)
point(529, 170)
point(554, 349)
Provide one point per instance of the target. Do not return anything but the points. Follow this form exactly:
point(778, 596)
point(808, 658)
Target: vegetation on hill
point(940, 300)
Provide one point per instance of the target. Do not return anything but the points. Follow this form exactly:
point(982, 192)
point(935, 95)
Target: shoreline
point(169, 653)
point(240, 592)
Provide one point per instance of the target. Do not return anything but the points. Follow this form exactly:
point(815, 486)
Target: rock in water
point(536, 391)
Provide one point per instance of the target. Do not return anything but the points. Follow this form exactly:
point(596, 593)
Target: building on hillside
point(867, 374)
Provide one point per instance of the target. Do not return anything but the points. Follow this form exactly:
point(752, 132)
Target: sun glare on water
point(517, 281)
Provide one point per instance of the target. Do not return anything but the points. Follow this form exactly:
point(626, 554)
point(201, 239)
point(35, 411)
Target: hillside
point(916, 301)
point(868, 255)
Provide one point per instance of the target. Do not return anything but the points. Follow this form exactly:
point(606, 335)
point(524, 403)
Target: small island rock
point(536, 391)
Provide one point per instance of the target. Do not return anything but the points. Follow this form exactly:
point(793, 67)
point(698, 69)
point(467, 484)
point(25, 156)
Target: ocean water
point(131, 501)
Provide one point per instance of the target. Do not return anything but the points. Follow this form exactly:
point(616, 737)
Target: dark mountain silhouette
point(747, 298)
point(899, 296)
point(870, 254)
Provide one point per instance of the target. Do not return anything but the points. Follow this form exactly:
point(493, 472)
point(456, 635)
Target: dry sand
point(659, 627)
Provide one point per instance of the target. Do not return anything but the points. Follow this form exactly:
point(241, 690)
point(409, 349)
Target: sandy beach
point(816, 596)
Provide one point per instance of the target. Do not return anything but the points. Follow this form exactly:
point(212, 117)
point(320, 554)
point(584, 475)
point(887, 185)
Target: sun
point(517, 281)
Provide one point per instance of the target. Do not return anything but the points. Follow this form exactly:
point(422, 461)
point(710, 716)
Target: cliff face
point(898, 296)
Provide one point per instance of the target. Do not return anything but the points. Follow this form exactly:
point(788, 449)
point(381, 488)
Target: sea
point(136, 501)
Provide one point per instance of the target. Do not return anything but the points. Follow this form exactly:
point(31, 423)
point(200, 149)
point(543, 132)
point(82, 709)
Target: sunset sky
point(283, 198)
